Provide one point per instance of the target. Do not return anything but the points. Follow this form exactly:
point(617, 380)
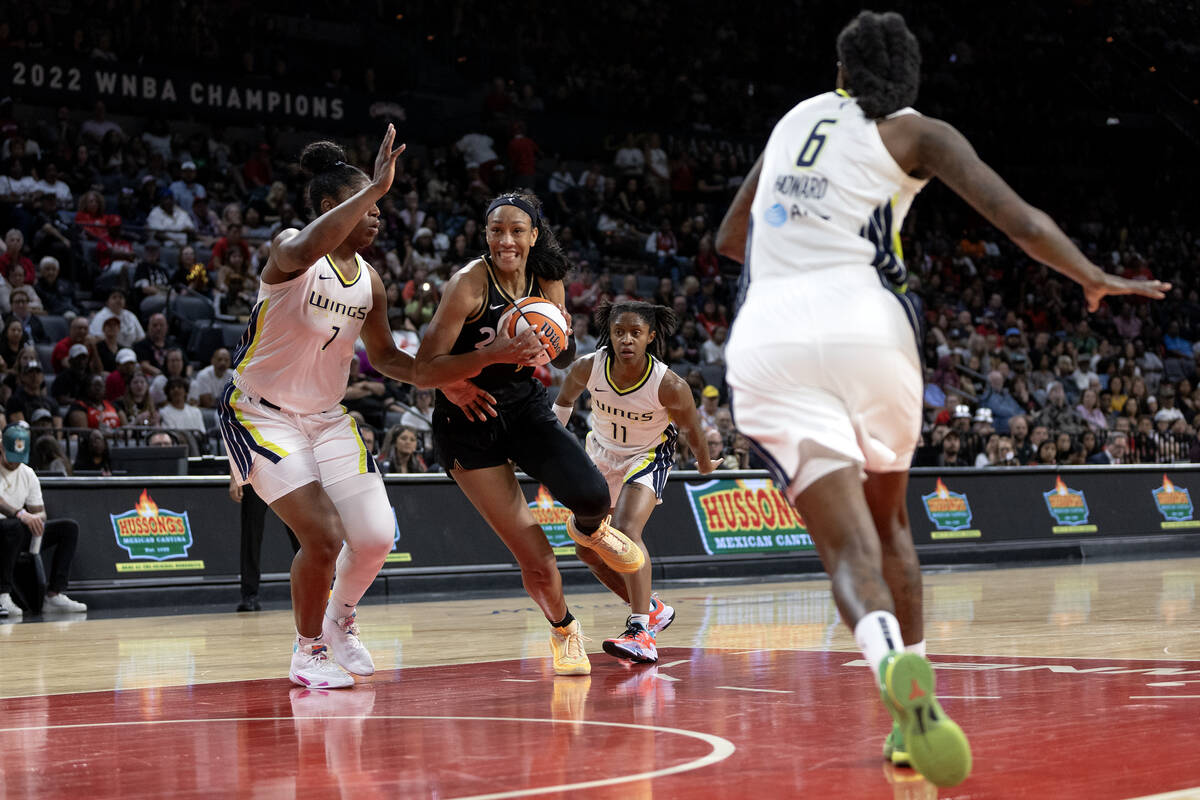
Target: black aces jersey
point(504, 381)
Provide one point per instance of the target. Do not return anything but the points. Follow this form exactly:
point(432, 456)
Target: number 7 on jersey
point(336, 331)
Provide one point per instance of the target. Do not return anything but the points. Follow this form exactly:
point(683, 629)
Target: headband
point(514, 200)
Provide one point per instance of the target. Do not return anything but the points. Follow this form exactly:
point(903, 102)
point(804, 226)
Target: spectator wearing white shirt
point(99, 126)
point(186, 189)
point(15, 185)
point(169, 222)
point(629, 160)
point(178, 413)
point(131, 329)
point(23, 526)
point(207, 385)
point(52, 183)
point(713, 350)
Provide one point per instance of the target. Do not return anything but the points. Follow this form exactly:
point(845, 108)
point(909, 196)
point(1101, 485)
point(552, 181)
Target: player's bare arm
point(296, 250)
point(676, 396)
point(927, 147)
point(573, 386)
point(731, 235)
point(465, 291)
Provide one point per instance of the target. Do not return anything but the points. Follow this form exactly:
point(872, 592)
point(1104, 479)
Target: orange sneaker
point(635, 644)
point(617, 549)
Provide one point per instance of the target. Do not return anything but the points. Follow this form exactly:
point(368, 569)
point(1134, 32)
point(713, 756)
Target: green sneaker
point(893, 746)
point(936, 746)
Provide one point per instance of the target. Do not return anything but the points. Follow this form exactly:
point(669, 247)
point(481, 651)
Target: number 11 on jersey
point(624, 433)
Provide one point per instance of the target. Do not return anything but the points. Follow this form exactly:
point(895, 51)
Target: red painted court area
point(702, 723)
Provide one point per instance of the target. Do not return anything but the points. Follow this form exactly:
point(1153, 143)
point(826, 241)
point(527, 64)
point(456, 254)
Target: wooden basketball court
point(1078, 681)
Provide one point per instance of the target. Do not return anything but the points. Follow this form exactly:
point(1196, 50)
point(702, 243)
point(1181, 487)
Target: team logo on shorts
point(552, 516)
point(395, 556)
point(776, 215)
point(150, 533)
point(1175, 504)
point(950, 513)
point(1068, 507)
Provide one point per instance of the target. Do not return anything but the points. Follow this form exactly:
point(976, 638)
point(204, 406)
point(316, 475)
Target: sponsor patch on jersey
point(776, 215)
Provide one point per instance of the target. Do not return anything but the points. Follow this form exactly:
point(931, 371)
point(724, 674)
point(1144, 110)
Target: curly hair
point(660, 319)
point(881, 62)
point(326, 162)
point(546, 258)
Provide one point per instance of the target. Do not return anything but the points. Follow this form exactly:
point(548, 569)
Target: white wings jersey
point(297, 347)
point(629, 421)
point(829, 194)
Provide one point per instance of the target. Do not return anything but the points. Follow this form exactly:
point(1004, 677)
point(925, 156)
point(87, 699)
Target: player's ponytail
point(881, 62)
point(659, 319)
point(546, 258)
point(326, 162)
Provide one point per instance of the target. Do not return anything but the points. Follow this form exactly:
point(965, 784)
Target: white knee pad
point(370, 525)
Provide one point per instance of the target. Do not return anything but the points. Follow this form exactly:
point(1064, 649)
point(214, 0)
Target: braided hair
point(546, 258)
point(881, 62)
point(660, 319)
point(326, 162)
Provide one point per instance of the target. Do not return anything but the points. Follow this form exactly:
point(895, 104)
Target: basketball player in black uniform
point(465, 340)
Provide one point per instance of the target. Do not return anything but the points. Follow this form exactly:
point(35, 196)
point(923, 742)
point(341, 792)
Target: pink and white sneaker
point(311, 667)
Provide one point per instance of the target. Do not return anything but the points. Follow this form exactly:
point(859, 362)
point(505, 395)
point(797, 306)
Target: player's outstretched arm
point(293, 251)
point(731, 235)
point(399, 365)
point(676, 396)
point(573, 386)
point(942, 151)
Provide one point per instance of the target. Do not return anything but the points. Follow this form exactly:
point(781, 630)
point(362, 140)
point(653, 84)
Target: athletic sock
point(567, 620)
point(640, 619)
point(877, 634)
point(918, 648)
point(305, 641)
point(336, 611)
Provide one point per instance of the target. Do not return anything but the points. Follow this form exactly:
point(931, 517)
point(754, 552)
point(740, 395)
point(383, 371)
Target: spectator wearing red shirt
point(14, 240)
point(522, 156)
point(93, 411)
point(257, 171)
point(118, 380)
point(232, 238)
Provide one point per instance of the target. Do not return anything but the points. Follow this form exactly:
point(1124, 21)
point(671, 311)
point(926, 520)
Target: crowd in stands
point(133, 246)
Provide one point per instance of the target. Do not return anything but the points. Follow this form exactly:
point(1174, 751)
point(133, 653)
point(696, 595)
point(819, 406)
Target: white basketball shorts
point(825, 374)
point(277, 452)
point(649, 469)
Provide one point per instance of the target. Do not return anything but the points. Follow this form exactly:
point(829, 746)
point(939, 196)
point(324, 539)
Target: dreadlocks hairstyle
point(660, 319)
point(326, 162)
point(881, 62)
point(546, 258)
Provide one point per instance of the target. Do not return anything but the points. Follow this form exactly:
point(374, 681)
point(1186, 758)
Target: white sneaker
point(63, 604)
point(348, 649)
point(8, 607)
point(311, 667)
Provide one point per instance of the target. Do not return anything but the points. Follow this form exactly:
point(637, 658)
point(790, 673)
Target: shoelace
point(575, 648)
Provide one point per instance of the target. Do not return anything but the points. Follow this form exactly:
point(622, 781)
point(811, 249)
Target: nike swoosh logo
point(597, 391)
point(495, 308)
point(325, 277)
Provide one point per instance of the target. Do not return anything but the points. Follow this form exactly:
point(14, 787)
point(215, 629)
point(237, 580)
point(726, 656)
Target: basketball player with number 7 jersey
point(639, 408)
point(285, 430)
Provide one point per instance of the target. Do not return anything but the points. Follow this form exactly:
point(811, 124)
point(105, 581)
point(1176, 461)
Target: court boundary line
point(1178, 794)
point(722, 748)
point(720, 650)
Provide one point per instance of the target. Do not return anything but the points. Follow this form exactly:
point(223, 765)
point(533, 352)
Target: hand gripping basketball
point(544, 318)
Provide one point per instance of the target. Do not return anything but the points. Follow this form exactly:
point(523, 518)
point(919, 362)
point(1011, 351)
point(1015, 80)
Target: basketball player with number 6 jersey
point(281, 417)
point(823, 357)
point(639, 408)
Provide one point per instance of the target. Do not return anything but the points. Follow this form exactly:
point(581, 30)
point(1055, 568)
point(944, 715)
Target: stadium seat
point(46, 356)
point(151, 305)
point(56, 327)
point(231, 333)
point(714, 375)
point(647, 285)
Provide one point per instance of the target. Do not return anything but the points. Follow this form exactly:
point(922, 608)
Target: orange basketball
point(544, 316)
